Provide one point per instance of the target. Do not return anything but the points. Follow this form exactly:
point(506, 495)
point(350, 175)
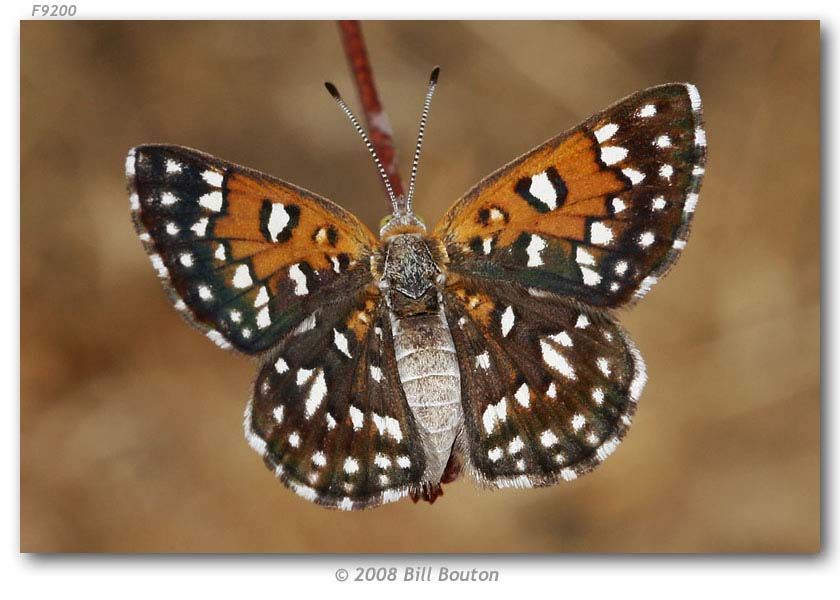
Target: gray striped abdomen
point(429, 374)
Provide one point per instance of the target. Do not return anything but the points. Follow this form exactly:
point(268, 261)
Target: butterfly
point(486, 345)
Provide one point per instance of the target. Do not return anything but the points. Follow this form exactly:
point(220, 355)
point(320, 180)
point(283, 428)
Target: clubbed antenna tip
point(435, 73)
point(332, 90)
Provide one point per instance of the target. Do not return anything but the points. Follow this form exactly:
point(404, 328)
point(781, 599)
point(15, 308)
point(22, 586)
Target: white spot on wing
point(548, 438)
point(482, 360)
point(523, 395)
point(317, 393)
point(340, 341)
point(356, 416)
point(262, 297)
point(602, 134)
point(663, 141)
point(173, 166)
point(263, 318)
point(600, 233)
point(319, 458)
point(694, 96)
point(277, 221)
point(129, 162)
point(200, 227)
point(494, 454)
point(212, 200)
point(578, 421)
point(508, 319)
point(376, 373)
point(562, 338)
point(307, 324)
point(281, 366)
point(633, 175)
point(542, 189)
point(299, 278)
point(213, 178)
point(644, 287)
point(278, 413)
point(583, 257)
point(218, 339)
point(648, 110)
point(351, 465)
point(590, 277)
point(691, 202)
point(665, 171)
point(613, 154)
point(487, 245)
point(535, 246)
point(494, 413)
point(607, 448)
point(388, 425)
point(168, 198)
point(582, 322)
point(618, 205)
point(646, 239)
point(515, 445)
point(204, 292)
point(556, 361)
point(242, 277)
point(604, 366)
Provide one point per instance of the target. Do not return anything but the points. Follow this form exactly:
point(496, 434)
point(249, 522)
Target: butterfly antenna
point(337, 97)
point(423, 118)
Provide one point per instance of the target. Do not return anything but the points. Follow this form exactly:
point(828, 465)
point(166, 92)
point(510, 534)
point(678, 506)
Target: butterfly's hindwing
point(598, 213)
point(328, 413)
point(245, 257)
point(548, 387)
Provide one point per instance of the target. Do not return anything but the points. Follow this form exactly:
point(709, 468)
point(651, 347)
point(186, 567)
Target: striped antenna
point(423, 118)
point(334, 93)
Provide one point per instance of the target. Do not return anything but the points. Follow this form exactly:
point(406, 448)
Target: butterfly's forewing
point(328, 413)
point(245, 257)
point(598, 213)
point(548, 386)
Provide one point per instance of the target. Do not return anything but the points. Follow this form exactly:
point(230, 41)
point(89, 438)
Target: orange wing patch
point(598, 213)
point(497, 208)
point(248, 258)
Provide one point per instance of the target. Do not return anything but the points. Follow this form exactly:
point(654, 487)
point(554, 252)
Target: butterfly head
point(397, 223)
point(402, 219)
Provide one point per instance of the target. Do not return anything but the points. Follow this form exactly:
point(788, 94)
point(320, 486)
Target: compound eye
point(385, 220)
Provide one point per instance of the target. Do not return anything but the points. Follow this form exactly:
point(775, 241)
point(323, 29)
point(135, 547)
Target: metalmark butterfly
point(486, 345)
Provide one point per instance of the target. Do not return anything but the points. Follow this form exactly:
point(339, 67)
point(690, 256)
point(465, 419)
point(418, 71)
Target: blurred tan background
point(131, 436)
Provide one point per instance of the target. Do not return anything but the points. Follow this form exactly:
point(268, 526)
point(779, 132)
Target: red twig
point(379, 128)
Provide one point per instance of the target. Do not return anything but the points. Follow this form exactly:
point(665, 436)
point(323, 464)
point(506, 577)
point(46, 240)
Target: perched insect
point(486, 345)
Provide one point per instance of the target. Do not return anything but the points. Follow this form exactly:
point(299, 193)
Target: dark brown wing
point(548, 386)
point(328, 413)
